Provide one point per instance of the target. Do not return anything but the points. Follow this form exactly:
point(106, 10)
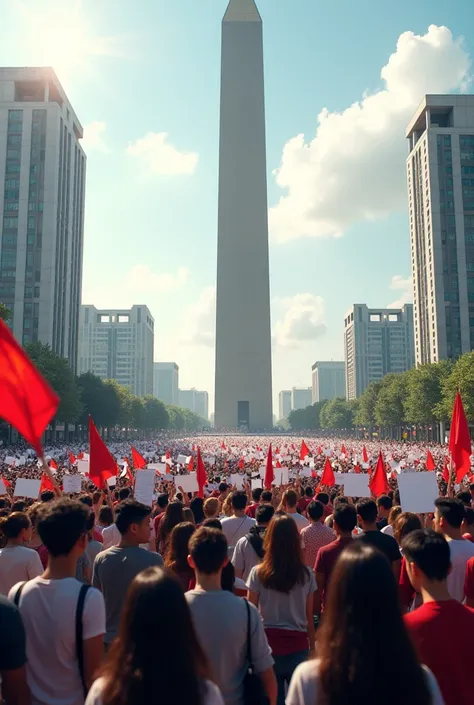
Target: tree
point(389, 410)
point(60, 376)
point(365, 414)
point(462, 378)
point(156, 415)
point(138, 413)
point(337, 413)
point(93, 400)
point(306, 419)
point(425, 392)
point(5, 313)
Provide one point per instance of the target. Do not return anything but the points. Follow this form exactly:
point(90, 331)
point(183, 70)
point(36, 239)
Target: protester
point(367, 519)
point(177, 557)
point(252, 508)
point(384, 505)
point(394, 513)
point(317, 534)
point(14, 687)
point(405, 523)
point(173, 516)
point(93, 547)
point(196, 506)
point(467, 527)
point(226, 624)
point(17, 563)
point(288, 505)
point(306, 499)
point(448, 518)
point(239, 524)
point(211, 508)
point(364, 652)
point(249, 551)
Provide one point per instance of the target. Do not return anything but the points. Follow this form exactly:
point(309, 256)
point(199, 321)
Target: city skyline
point(162, 250)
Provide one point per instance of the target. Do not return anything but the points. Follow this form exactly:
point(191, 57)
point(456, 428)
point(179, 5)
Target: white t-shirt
point(212, 694)
point(461, 550)
point(234, 528)
point(111, 536)
point(388, 530)
point(48, 610)
point(301, 521)
point(18, 564)
point(305, 686)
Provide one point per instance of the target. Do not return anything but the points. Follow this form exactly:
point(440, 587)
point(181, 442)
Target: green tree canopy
point(60, 376)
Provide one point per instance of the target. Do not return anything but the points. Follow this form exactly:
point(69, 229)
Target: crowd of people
point(292, 593)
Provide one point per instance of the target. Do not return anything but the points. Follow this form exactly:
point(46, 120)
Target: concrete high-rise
point(118, 344)
point(377, 341)
point(300, 398)
point(243, 393)
point(440, 169)
point(196, 401)
point(42, 191)
point(166, 382)
point(329, 381)
point(284, 404)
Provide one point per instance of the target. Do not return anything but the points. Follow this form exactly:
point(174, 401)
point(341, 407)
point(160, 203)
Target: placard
point(238, 481)
point(356, 485)
point(112, 481)
point(182, 460)
point(3, 487)
point(27, 488)
point(257, 483)
point(262, 471)
point(418, 491)
point(10, 460)
point(83, 466)
point(72, 483)
point(160, 468)
point(281, 476)
point(145, 486)
point(305, 472)
point(189, 482)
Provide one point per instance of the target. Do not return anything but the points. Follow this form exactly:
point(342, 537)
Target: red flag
point(328, 478)
point(5, 482)
point(46, 484)
point(304, 451)
point(446, 471)
point(101, 463)
point(378, 482)
point(357, 468)
point(138, 460)
point(72, 459)
point(80, 456)
point(278, 464)
point(223, 446)
point(364, 455)
point(460, 440)
point(191, 464)
point(430, 463)
point(241, 464)
point(343, 449)
point(313, 474)
point(168, 455)
point(27, 401)
point(52, 464)
point(129, 472)
point(277, 451)
point(269, 474)
point(320, 450)
point(201, 475)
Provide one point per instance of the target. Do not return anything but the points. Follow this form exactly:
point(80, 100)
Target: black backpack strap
point(79, 634)
point(249, 637)
point(256, 542)
point(16, 599)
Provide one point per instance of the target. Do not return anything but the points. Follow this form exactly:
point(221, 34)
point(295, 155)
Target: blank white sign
point(189, 482)
point(356, 485)
point(145, 486)
point(72, 483)
point(257, 484)
point(418, 491)
point(27, 488)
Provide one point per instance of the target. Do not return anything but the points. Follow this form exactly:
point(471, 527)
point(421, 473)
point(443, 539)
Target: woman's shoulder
point(212, 694)
point(304, 684)
point(436, 697)
point(94, 696)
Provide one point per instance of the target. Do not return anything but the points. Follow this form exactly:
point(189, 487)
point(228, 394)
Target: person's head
point(449, 515)
point(173, 516)
point(19, 506)
point(264, 514)
point(266, 497)
point(5, 503)
point(211, 508)
point(213, 523)
point(366, 513)
point(155, 604)
point(177, 556)
point(323, 497)
point(196, 506)
point(289, 500)
point(162, 501)
point(188, 516)
point(315, 511)
point(86, 499)
point(208, 551)
point(33, 514)
point(427, 556)
point(361, 608)
point(90, 525)
point(106, 516)
point(404, 525)
point(133, 522)
point(47, 496)
point(308, 491)
point(256, 494)
point(394, 513)
point(465, 498)
point(384, 505)
point(468, 521)
point(239, 501)
point(124, 494)
point(344, 519)
point(16, 527)
point(62, 527)
point(224, 489)
point(96, 498)
point(282, 566)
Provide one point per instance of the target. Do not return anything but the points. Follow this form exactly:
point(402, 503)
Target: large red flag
point(191, 463)
point(101, 463)
point(364, 455)
point(460, 440)
point(201, 475)
point(139, 462)
point(430, 463)
point(27, 401)
point(46, 484)
point(378, 482)
point(343, 449)
point(304, 451)
point(446, 471)
point(269, 474)
point(328, 478)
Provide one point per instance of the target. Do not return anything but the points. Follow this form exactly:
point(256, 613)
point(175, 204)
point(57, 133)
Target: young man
point(288, 504)
point(14, 686)
point(162, 502)
point(221, 621)
point(49, 604)
point(384, 505)
point(441, 628)
point(248, 551)
point(448, 518)
point(306, 500)
point(467, 527)
point(252, 508)
point(239, 525)
point(317, 534)
point(115, 568)
point(367, 519)
point(324, 498)
point(345, 520)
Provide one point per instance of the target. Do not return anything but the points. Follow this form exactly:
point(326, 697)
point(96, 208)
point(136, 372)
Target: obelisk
point(243, 393)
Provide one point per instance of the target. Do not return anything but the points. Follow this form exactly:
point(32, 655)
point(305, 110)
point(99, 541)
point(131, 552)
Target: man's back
point(234, 528)
point(114, 570)
point(315, 536)
point(220, 619)
point(384, 543)
point(442, 633)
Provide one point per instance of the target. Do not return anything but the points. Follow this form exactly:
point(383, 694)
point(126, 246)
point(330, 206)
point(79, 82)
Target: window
point(12, 183)
point(13, 140)
point(8, 259)
point(15, 115)
point(31, 206)
point(10, 207)
point(10, 223)
point(9, 239)
point(31, 222)
point(11, 194)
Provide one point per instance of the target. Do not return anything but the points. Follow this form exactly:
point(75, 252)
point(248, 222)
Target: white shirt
point(234, 528)
point(244, 557)
point(388, 530)
point(18, 564)
point(461, 550)
point(48, 610)
point(111, 536)
point(301, 521)
point(212, 694)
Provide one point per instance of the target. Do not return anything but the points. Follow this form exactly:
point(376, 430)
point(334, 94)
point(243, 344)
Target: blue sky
point(144, 81)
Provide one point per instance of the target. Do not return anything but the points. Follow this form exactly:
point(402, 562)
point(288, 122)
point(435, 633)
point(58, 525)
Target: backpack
point(256, 541)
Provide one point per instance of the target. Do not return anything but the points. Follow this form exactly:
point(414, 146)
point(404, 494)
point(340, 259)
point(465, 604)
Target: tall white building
point(42, 190)
point(329, 381)
point(196, 401)
point(166, 382)
point(284, 404)
point(118, 344)
point(301, 398)
point(376, 342)
point(440, 169)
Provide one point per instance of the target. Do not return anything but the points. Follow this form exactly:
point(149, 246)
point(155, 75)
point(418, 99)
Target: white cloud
point(142, 278)
point(405, 287)
point(94, 137)
point(354, 168)
point(199, 320)
point(161, 157)
point(303, 320)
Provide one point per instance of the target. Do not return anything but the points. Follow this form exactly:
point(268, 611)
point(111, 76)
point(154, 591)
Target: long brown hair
point(157, 651)
point(362, 615)
point(173, 516)
point(283, 566)
point(177, 555)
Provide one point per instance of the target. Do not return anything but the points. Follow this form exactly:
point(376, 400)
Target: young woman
point(282, 587)
point(196, 506)
point(177, 556)
point(173, 516)
point(144, 668)
point(357, 660)
point(17, 563)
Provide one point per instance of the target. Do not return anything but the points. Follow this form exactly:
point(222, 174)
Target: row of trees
point(423, 396)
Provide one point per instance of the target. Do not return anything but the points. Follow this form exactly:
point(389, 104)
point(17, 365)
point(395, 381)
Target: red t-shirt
point(405, 588)
point(98, 536)
point(303, 503)
point(468, 537)
point(469, 580)
point(326, 560)
point(156, 523)
point(251, 510)
point(442, 634)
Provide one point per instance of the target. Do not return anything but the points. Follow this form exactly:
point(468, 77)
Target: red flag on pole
point(46, 484)
point(320, 450)
point(201, 475)
point(241, 464)
point(101, 463)
point(269, 474)
point(430, 463)
point(304, 451)
point(446, 471)
point(460, 440)
point(5, 482)
point(138, 460)
point(357, 468)
point(72, 459)
point(378, 482)
point(328, 478)
point(223, 446)
point(343, 449)
point(53, 465)
point(191, 463)
point(27, 401)
point(364, 455)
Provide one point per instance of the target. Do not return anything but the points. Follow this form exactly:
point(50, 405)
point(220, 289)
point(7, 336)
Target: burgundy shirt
point(326, 560)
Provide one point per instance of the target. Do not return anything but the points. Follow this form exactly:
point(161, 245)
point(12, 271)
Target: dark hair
point(208, 549)
point(469, 516)
point(323, 497)
point(124, 493)
point(90, 521)
point(345, 516)
point(4, 503)
point(12, 525)
point(106, 515)
point(60, 525)
point(340, 500)
point(47, 496)
point(429, 551)
point(266, 496)
point(264, 513)
point(130, 512)
point(404, 524)
point(239, 500)
point(162, 501)
point(283, 565)
point(223, 486)
point(315, 510)
point(173, 516)
point(155, 604)
point(452, 510)
point(465, 498)
point(212, 523)
point(367, 510)
point(385, 502)
point(256, 494)
point(361, 609)
point(308, 491)
point(19, 505)
point(178, 547)
point(196, 506)
point(86, 499)
point(289, 498)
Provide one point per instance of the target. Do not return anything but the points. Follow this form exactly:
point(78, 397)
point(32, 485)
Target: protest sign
point(145, 486)
point(189, 482)
point(418, 491)
point(72, 483)
point(27, 488)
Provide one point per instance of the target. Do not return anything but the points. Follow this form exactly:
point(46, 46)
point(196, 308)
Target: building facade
point(376, 343)
point(118, 344)
point(301, 398)
point(440, 173)
point(329, 381)
point(166, 382)
point(284, 404)
point(196, 401)
point(42, 194)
